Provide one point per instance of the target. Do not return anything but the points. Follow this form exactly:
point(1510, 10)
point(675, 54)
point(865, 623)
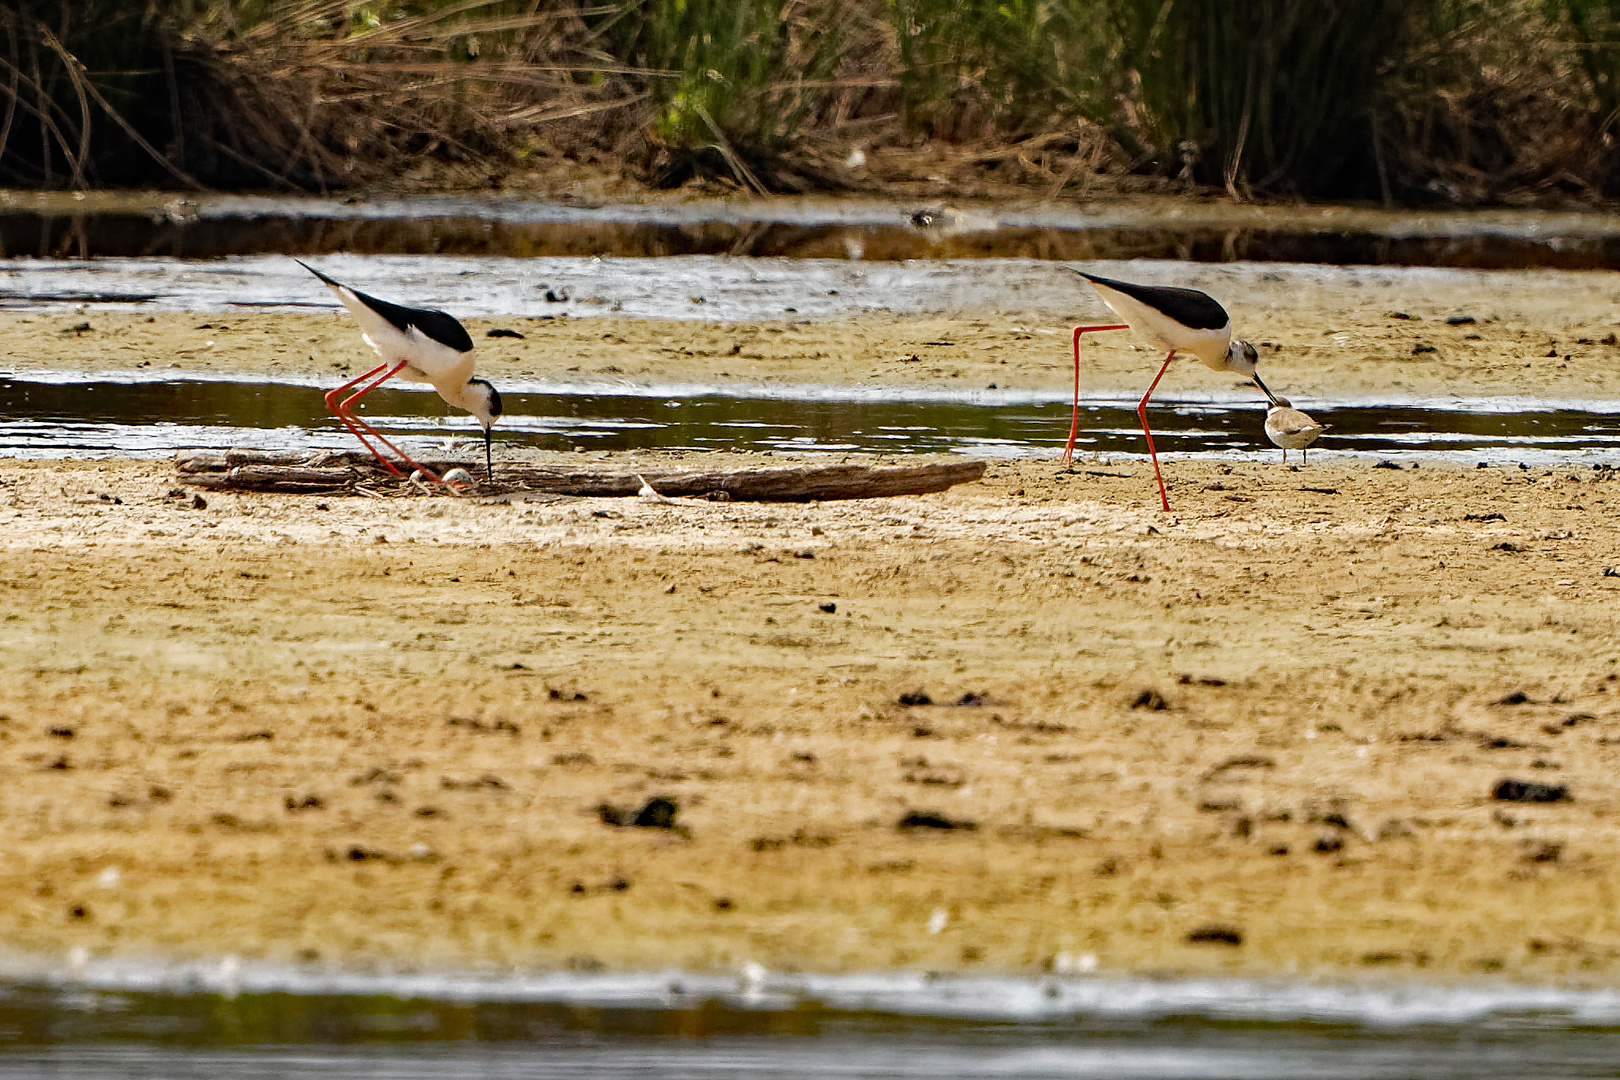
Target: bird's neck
point(454, 394)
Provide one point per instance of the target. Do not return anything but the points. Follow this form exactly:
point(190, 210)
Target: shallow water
point(65, 417)
point(86, 226)
point(712, 288)
point(708, 288)
point(226, 1019)
point(1169, 1053)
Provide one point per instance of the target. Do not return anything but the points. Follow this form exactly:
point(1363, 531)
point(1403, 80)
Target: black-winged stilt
point(415, 344)
point(1291, 429)
point(1177, 320)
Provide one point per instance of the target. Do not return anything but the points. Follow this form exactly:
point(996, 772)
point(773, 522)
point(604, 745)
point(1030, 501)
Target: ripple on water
point(59, 415)
point(110, 1017)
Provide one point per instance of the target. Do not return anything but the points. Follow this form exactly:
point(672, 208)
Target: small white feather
point(649, 493)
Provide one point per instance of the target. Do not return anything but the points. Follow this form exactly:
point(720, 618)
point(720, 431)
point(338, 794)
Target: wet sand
point(1257, 735)
point(1346, 333)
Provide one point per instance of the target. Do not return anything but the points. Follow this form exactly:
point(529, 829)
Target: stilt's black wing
point(1189, 307)
point(436, 325)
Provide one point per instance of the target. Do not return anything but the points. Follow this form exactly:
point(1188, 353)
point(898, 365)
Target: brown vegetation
point(1488, 101)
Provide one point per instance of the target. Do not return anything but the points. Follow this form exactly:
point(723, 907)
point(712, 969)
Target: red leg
point(359, 428)
point(1074, 420)
point(336, 409)
point(346, 414)
point(1141, 413)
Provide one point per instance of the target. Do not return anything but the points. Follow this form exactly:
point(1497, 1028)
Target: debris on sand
point(658, 813)
point(1215, 934)
point(929, 819)
point(1530, 791)
point(1151, 700)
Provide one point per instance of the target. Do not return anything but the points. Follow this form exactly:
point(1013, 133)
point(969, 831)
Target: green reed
point(740, 77)
point(1277, 94)
point(977, 68)
point(1595, 32)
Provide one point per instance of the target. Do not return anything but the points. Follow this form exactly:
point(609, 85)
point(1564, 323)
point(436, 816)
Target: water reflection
point(153, 418)
point(880, 234)
point(89, 1035)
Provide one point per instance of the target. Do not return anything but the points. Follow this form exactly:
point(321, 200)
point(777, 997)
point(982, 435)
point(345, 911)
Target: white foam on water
point(695, 287)
point(678, 392)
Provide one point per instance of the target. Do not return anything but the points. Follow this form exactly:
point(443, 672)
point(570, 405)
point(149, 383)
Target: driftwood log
point(302, 472)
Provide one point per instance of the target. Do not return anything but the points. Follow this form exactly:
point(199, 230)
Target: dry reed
point(1460, 100)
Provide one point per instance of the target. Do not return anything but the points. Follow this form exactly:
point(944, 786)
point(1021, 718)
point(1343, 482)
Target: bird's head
point(484, 401)
point(1281, 403)
point(1241, 357)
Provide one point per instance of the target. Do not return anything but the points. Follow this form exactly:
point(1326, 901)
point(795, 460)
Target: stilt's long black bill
point(489, 460)
point(1269, 395)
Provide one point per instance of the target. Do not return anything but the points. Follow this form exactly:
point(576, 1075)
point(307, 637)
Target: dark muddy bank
point(207, 228)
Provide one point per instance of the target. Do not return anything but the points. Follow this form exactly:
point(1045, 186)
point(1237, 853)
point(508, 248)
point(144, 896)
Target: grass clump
point(976, 69)
point(1268, 94)
point(732, 82)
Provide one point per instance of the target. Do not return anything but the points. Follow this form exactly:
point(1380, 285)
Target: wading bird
point(1178, 320)
point(1291, 429)
point(415, 344)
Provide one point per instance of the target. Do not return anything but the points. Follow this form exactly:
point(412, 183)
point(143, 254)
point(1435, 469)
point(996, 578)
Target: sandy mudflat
point(381, 729)
point(1320, 332)
point(356, 730)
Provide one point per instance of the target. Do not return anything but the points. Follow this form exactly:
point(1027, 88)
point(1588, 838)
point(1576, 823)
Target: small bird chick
point(1291, 429)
